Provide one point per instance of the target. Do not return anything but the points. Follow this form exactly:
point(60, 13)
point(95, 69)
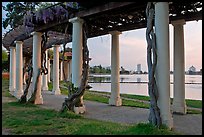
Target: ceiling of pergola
point(102, 17)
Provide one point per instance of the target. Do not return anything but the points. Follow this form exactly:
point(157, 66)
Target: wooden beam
point(103, 8)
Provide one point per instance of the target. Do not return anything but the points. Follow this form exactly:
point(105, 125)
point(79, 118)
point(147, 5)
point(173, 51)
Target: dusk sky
point(133, 47)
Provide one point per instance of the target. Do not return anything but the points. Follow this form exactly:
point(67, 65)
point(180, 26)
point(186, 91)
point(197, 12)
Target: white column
point(19, 69)
point(24, 76)
point(48, 68)
point(56, 89)
point(44, 77)
point(37, 65)
point(61, 71)
point(115, 70)
point(12, 73)
point(179, 104)
point(77, 40)
point(163, 61)
point(76, 51)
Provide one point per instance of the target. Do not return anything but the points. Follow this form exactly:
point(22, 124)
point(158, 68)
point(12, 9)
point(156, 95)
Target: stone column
point(163, 61)
point(44, 77)
point(48, 68)
point(19, 69)
point(56, 89)
point(115, 70)
point(24, 76)
point(61, 71)
point(12, 73)
point(76, 51)
point(37, 65)
point(179, 104)
point(77, 41)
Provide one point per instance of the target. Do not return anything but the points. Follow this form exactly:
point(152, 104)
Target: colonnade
point(162, 68)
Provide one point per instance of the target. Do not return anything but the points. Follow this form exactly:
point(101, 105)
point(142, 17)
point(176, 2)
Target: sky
point(133, 47)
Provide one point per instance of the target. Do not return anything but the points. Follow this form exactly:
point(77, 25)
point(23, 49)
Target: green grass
point(194, 103)
point(28, 119)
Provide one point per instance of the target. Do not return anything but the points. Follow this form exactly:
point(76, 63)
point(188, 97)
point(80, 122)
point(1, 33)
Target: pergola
point(111, 18)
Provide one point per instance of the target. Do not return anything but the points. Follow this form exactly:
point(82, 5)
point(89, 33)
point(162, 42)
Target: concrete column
point(24, 76)
point(12, 73)
point(115, 70)
point(61, 71)
point(77, 41)
point(48, 68)
point(19, 69)
point(163, 61)
point(56, 89)
point(76, 51)
point(37, 65)
point(44, 77)
point(179, 104)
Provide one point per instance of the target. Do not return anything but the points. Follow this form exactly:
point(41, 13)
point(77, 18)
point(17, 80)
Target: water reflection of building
point(138, 79)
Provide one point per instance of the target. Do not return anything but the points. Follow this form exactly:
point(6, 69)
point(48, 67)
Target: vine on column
point(73, 99)
point(154, 116)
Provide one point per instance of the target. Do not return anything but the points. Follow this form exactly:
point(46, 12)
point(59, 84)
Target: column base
point(79, 110)
point(38, 100)
point(45, 88)
point(168, 122)
point(11, 89)
point(178, 108)
point(115, 101)
point(56, 92)
point(18, 93)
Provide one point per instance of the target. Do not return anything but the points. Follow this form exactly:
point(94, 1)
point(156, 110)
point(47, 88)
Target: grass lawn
point(29, 119)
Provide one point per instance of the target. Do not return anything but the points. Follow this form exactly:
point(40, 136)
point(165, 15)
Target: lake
point(137, 85)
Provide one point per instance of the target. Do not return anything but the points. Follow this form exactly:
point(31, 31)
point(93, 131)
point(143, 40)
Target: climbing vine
point(74, 98)
point(154, 116)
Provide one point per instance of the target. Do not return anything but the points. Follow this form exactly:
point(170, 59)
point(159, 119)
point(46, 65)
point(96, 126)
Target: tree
point(4, 56)
point(16, 11)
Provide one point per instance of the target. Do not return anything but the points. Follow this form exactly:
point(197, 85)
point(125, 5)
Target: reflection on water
point(192, 91)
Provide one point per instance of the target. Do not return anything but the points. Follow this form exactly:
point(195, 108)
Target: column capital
point(76, 19)
point(178, 22)
point(56, 45)
point(18, 42)
point(161, 1)
point(36, 33)
point(115, 32)
point(12, 47)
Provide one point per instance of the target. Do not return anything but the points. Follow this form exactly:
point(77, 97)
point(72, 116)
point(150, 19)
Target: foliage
point(4, 55)
point(49, 12)
point(5, 61)
point(16, 11)
point(99, 70)
point(50, 54)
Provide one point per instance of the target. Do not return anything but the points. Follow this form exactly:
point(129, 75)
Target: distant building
point(139, 69)
point(192, 68)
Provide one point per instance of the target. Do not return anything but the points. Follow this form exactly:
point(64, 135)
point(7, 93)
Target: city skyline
point(133, 47)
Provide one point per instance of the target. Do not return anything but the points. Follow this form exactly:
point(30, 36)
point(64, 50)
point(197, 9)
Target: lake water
point(192, 91)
